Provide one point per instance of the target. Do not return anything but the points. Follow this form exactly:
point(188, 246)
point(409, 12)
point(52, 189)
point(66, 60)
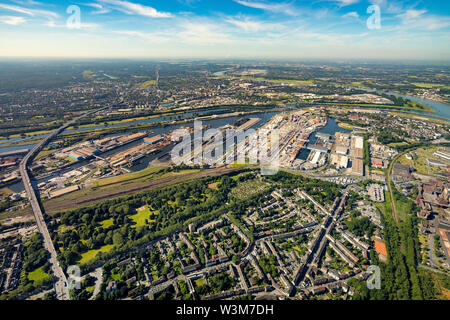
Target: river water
point(440, 109)
point(214, 123)
point(174, 117)
point(331, 128)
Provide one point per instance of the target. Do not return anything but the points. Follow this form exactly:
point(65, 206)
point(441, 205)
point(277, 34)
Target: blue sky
point(292, 29)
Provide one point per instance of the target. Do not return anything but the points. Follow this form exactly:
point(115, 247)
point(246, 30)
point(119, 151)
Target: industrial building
point(83, 153)
point(153, 140)
point(341, 150)
point(358, 167)
point(62, 192)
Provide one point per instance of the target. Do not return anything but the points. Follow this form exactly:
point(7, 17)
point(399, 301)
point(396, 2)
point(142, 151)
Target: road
point(98, 275)
point(432, 269)
point(432, 257)
point(60, 284)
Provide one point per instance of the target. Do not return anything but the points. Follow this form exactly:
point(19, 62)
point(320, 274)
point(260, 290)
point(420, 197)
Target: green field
point(148, 83)
point(43, 154)
point(200, 282)
point(412, 106)
point(106, 223)
point(88, 256)
point(430, 85)
point(90, 289)
point(397, 144)
point(38, 275)
point(115, 276)
point(143, 214)
point(128, 177)
point(88, 75)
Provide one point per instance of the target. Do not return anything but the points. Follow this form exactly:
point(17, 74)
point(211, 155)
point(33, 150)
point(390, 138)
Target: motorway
point(60, 284)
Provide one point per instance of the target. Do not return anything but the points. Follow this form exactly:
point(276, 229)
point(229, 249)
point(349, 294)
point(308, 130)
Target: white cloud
point(249, 25)
point(284, 7)
point(391, 6)
point(411, 14)
point(186, 32)
point(12, 20)
point(30, 12)
point(344, 3)
point(419, 20)
point(100, 9)
point(352, 14)
point(135, 8)
point(202, 33)
point(85, 26)
point(152, 37)
point(27, 2)
point(246, 25)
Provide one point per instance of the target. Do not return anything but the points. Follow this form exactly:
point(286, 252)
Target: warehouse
point(153, 140)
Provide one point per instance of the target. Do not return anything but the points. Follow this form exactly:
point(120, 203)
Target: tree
point(117, 239)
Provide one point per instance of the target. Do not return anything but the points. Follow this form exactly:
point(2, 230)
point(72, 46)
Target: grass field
point(279, 80)
point(420, 163)
point(430, 85)
point(5, 192)
point(414, 106)
point(146, 175)
point(397, 144)
point(385, 207)
point(92, 195)
point(43, 153)
point(38, 275)
point(143, 214)
point(107, 223)
point(423, 117)
point(423, 239)
point(148, 83)
point(128, 177)
point(90, 289)
point(115, 276)
point(88, 75)
point(88, 256)
point(404, 160)
point(200, 282)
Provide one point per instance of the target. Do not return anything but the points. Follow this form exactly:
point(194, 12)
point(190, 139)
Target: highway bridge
point(60, 284)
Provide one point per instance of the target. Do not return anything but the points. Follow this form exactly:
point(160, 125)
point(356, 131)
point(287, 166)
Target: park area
point(90, 255)
point(143, 216)
point(38, 275)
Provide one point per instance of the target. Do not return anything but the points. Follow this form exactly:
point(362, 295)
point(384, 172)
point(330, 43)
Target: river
point(214, 123)
point(440, 109)
point(180, 116)
point(331, 128)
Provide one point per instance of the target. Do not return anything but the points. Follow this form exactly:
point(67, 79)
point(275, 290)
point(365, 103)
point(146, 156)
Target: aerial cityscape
point(218, 174)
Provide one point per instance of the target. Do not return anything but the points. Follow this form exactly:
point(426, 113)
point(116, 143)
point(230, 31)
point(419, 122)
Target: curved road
point(60, 284)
